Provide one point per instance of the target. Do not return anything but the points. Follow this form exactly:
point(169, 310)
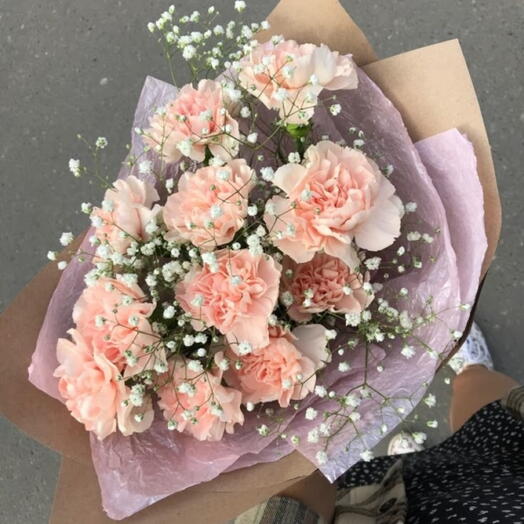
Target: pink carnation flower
point(198, 404)
point(325, 283)
point(237, 296)
point(336, 196)
point(89, 384)
point(217, 195)
point(195, 120)
point(284, 369)
point(93, 392)
point(288, 77)
point(129, 211)
point(113, 318)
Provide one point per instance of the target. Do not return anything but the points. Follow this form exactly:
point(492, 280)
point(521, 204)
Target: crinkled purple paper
point(439, 173)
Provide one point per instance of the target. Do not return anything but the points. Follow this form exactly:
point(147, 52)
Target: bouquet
point(273, 270)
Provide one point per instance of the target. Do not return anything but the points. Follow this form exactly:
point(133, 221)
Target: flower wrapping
point(439, 173)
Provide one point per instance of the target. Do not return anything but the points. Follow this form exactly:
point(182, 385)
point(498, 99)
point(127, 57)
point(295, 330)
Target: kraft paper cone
point(78, 499)
point(432, 89)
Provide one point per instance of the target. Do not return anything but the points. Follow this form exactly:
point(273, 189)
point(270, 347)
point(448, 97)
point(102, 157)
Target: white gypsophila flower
point(200, 338)
point(66, 238)
point(321, 457)
point(343, 367)
point(335, 109)
point(354, 417)
point(240, 5)
point(306, 195)
point(244, 348)
point(427, 238)
point(148, 249)
point(261, 231)
point(133, 320)
point(101, 142)
point(287, 383)
point(320, 391)
point(160, 366)
point(432, 424)
point(188, 340)
point(187, 388)
point(430, 401)
point(408, 351)
point(287, 298)
point(294, 158)
point(373, 263)
point(419, 437)
point(151, 27)
point(197, 36)
point(413, 236)
point(151, 280)
point(51, 255)
point(245, 112)
point(86, 208)
point(267, 173)
point(216, 211)
point(74, 167)
point(216, 409)
point(250, 406)
point(213, 62)
point(263, 430)
point(169, 312)
point(367, 455)
point(351, 400)
point(252, 138)
point(224, 364)
point(96, 221)
point(311, 414)
point(456, 334)
point(353, 319)
point(313, 436)
point(410, 207)
point(365, 392)
point(403, 292)
point(151, 227)
point(331, 334)
point(195, 365)
point(405, 321)
point(270, 209)
point(236, 280)
point(136, 397)
point(252, 210)
point(223, 174)
point(144, 167)
point(218, 30)
point(209, 259)
point(295, 440)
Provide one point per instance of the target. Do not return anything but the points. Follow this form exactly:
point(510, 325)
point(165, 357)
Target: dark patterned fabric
point(475, 476)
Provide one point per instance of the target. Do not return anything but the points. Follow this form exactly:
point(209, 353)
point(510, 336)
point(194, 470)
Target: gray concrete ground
point(69, 66)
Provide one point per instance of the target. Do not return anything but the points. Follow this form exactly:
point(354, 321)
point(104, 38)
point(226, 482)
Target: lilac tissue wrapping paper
point(439, 173)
